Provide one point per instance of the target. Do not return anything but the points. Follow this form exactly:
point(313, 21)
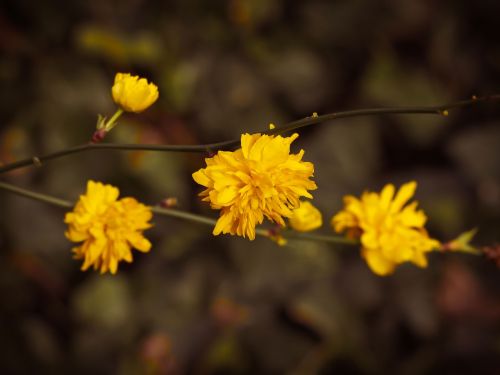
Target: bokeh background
point(199, 304)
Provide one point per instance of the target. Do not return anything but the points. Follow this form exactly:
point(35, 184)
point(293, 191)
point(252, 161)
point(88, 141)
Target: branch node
point(36, 161)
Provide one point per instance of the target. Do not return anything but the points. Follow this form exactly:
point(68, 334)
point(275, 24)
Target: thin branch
point(173, 213)
point(37, 196)
point(39, 160)
point(184, 215)
point(320, 238)
point(441, 110)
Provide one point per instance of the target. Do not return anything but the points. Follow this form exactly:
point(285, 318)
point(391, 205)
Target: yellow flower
point(390, 232)
point(108, 227)
point(133, 94)
point(260, 179)
point(306, 218)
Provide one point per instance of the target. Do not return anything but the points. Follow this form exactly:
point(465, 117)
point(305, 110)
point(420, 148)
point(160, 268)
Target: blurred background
point(202, 305)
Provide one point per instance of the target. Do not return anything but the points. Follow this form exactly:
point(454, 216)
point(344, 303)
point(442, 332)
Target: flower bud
point(132, 93)
point(306, 217)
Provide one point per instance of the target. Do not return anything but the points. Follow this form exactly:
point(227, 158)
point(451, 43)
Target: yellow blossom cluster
point(391, 232)
point(260, 179)
point(108, 227)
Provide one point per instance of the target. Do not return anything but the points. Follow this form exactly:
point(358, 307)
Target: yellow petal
point(386, 196)
point(404, 194)
point(201, 178)
point(377, 263)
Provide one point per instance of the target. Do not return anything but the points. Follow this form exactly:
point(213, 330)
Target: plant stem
point(172, 213)
point(441, 110)
point(196, 218)
point(432, 110)
point(183, 215)
point(37, 196)
point(39, 160)
point(110, 124)
point(320, 237)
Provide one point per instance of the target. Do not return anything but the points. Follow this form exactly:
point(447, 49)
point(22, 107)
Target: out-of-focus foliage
point(201, 304)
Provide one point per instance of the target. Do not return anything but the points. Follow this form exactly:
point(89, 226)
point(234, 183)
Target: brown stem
point(432, 110)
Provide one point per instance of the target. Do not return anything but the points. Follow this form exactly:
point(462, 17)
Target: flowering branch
point(311, 120)
point(177, 214)
point(261, 179)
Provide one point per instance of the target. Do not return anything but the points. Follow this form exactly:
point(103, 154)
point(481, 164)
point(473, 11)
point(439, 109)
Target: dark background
point(201, 304)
